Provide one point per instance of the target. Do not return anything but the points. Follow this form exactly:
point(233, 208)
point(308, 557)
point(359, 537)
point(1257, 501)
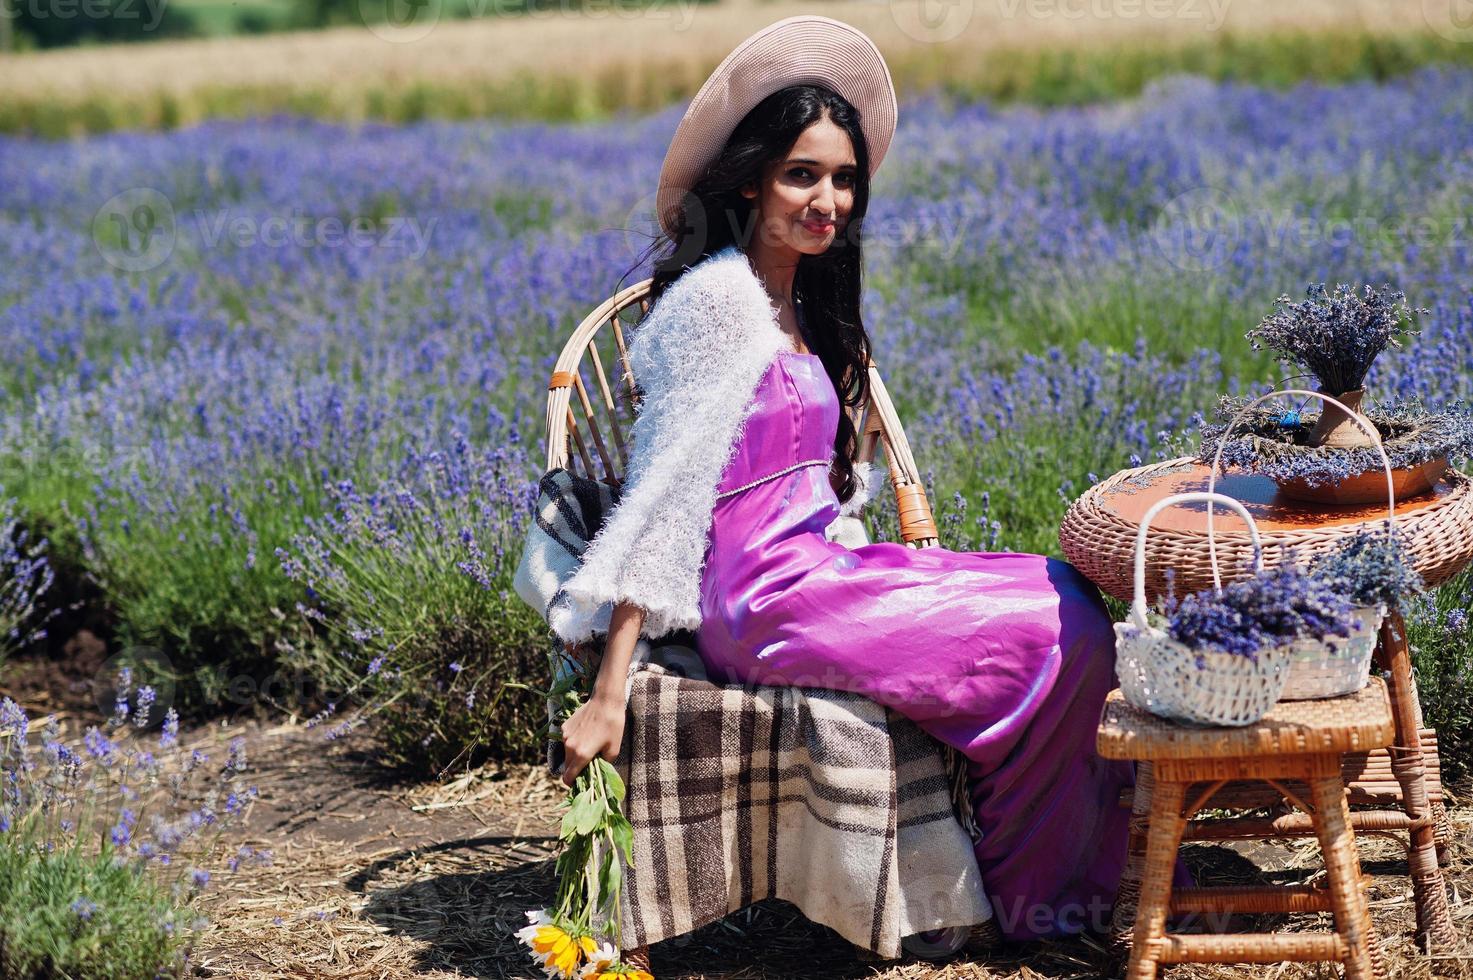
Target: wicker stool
point(1298, 749)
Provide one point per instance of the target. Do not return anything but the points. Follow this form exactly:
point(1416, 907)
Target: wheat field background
point(584, 63)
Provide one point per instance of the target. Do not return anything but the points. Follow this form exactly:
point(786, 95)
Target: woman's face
point(804, 199)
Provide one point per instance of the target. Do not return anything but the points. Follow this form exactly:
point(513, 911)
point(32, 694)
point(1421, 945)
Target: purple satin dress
point(1007, 657)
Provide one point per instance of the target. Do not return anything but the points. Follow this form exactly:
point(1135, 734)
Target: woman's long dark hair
point(826, 287)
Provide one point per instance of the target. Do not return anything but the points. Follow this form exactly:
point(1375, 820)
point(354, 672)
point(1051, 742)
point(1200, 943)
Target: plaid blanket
point(822, 798)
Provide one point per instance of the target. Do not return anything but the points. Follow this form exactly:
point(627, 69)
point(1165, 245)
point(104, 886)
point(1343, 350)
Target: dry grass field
point(377, 880)
point(567, 63)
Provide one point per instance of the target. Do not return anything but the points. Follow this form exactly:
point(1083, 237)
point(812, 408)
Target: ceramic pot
point(1336, 428)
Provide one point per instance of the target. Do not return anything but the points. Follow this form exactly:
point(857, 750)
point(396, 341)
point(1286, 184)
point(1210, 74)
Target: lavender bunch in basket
point(1336, 336)
point(1370, 568)
point(1268, 610)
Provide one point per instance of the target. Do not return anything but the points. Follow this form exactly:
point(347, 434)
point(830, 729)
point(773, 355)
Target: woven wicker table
point(1098, 536)
point(1304, 741)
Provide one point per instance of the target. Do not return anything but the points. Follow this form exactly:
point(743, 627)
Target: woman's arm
point(597, 727)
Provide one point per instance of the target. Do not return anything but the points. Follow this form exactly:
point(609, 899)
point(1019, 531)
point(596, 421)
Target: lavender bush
point(106, 844)
point(173, 426)
point(25, 576)
point(1336, 336)
point(1261, 612)
point(424, 624)
point(1440, 631)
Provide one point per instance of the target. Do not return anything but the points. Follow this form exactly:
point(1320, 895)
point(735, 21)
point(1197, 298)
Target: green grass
point(223, 18)
point(132, 934)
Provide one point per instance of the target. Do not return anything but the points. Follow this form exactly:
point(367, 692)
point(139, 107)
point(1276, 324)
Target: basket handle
point(1360, 420)
point(1138, 603)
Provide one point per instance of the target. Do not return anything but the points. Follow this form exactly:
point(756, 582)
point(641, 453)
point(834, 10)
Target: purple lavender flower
point(235, 761)
point(1370, 569)
point(1263, 611)
point(146, 697)
point(1335, 336)
point(170, 732)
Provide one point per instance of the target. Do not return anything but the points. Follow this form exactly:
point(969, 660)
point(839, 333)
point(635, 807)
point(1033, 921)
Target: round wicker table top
point(1099, 531)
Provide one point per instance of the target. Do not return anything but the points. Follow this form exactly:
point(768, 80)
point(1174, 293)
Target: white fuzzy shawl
point(698, 356)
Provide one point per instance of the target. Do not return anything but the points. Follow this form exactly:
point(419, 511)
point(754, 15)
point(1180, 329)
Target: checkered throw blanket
point(822, 798)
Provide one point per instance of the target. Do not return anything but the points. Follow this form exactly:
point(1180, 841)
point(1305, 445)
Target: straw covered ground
point(379, 878)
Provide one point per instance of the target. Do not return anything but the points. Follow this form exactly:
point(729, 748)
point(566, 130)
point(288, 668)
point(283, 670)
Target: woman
point(743, 461)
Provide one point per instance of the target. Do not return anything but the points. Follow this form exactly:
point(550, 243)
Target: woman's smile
point(817, 226)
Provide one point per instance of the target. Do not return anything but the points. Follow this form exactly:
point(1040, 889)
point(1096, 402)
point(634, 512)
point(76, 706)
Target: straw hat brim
point(807, 49)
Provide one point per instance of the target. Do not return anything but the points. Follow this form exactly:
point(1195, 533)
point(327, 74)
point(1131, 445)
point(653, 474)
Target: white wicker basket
point(1325, 667)
point(1337, 666)
point(1170, 679)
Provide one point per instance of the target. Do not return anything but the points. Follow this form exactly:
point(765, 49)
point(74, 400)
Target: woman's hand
point(595, 729)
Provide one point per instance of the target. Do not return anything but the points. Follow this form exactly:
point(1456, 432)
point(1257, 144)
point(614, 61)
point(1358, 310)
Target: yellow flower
point(558, 951)
point(600, 962)
point(617, 971)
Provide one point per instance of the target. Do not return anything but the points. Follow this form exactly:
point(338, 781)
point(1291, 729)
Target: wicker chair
point(876, 422)
point(588, 420)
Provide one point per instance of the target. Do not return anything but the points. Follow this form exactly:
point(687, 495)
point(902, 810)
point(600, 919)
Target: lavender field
point(273, 390)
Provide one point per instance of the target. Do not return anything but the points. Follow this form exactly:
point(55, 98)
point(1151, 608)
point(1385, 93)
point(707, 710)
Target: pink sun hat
point(807, 49)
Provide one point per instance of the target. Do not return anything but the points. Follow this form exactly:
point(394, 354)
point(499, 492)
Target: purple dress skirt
point(1007, 657)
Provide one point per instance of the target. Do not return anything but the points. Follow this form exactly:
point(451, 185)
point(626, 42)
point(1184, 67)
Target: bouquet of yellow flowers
point(564, 940)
